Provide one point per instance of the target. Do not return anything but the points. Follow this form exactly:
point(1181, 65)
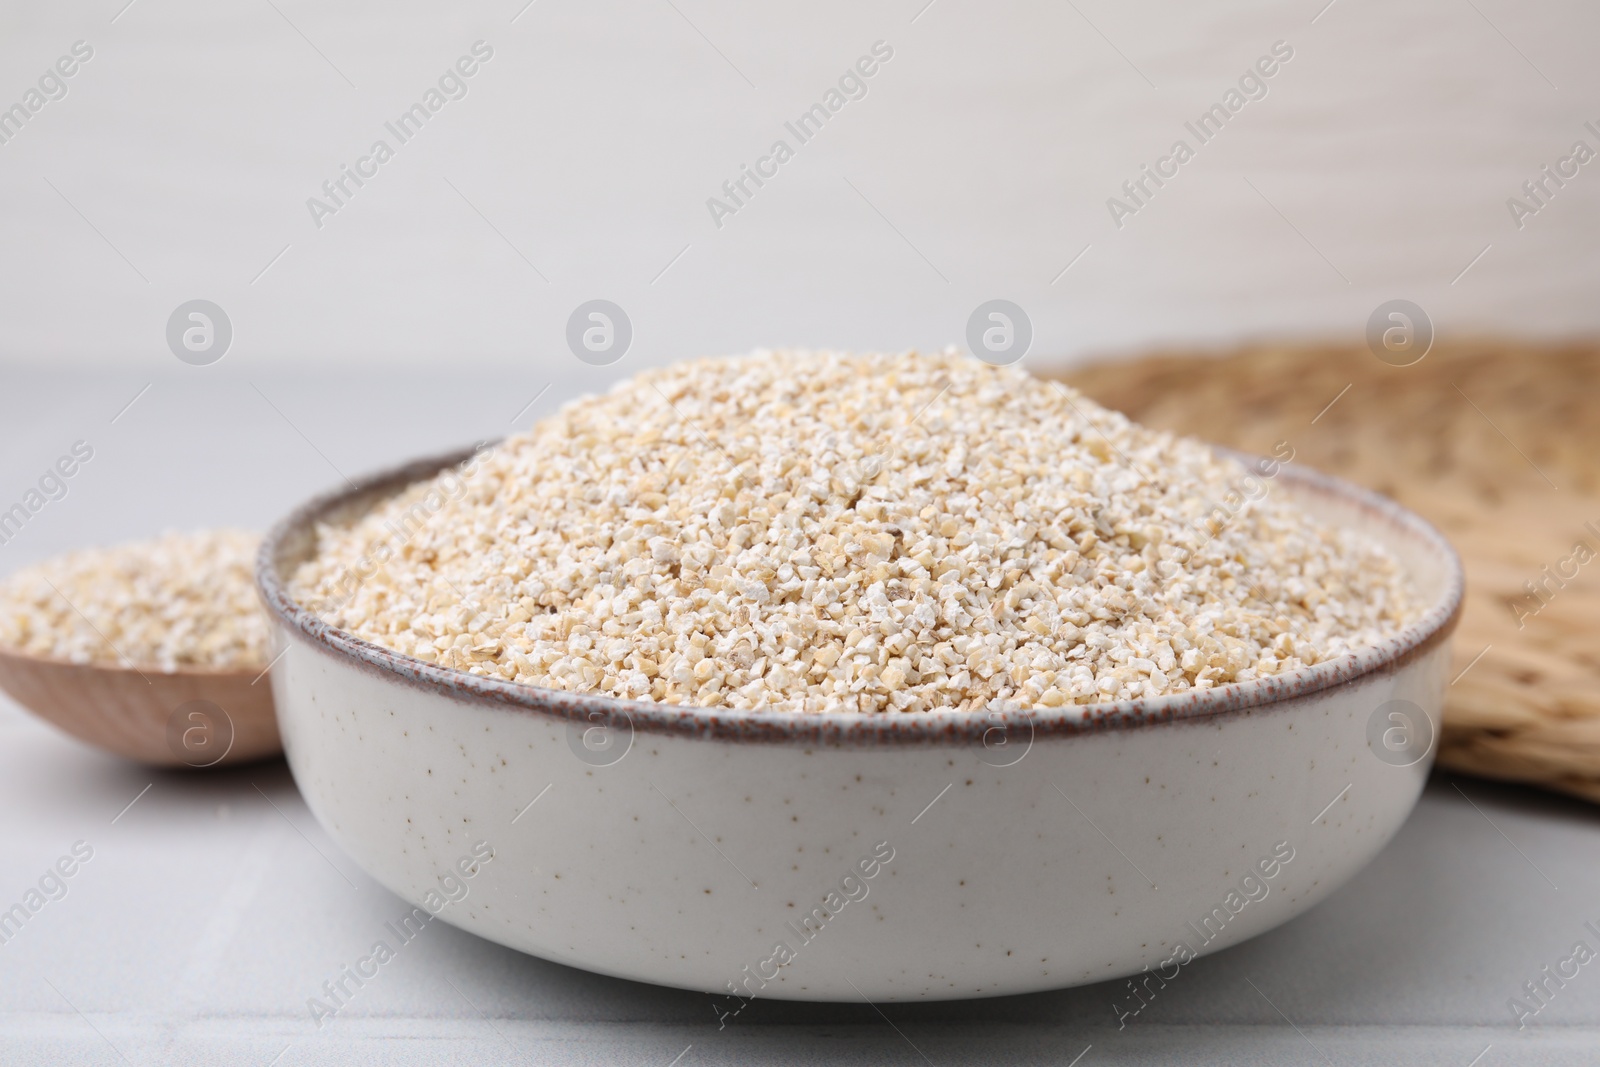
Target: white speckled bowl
point(1027, 851)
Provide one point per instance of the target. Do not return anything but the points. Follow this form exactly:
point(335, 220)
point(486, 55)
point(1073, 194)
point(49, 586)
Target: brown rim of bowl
point(140, 669)
point(833, 728)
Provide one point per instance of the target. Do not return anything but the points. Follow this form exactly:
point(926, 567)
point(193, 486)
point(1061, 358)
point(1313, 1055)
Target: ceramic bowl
point(844, 856)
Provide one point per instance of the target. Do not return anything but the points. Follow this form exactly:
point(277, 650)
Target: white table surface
point(208, 915)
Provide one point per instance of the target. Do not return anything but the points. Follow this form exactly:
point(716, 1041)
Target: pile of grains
point(815, 531)
point(182, 600)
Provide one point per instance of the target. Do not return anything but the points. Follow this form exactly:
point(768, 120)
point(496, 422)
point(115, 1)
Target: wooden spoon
point(195, 718)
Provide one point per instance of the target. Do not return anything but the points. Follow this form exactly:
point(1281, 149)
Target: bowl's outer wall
point(129, 712)
point(681, 863)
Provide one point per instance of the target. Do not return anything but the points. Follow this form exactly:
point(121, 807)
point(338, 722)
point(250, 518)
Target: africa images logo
point(452, 85)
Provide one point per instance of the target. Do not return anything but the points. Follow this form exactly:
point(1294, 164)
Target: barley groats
point(816, 531)
point(183, 600)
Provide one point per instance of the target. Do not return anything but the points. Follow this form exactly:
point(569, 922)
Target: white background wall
point(984, 153)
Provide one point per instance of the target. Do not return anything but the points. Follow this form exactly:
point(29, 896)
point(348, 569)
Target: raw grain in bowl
point(178, 601)
point(818, 531)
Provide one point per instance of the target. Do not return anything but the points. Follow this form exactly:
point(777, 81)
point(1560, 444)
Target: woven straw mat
point(1498, 444)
